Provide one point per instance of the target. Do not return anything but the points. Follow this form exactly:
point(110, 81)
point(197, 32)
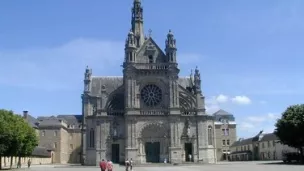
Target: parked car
point(291, 157)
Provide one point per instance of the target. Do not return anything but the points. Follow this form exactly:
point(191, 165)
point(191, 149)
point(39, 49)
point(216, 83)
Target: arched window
point(92, 138)
point(210, 137)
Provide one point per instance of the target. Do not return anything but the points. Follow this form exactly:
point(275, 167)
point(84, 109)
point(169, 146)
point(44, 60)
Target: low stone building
point(60, 135)
point(260, 147)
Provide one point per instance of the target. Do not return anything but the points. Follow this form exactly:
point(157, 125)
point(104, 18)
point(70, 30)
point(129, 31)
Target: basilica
point(149, 114)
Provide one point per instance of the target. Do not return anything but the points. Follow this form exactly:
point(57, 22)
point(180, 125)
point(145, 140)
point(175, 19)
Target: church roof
point(111, 83)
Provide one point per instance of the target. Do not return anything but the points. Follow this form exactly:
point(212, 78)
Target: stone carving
point(115, 127)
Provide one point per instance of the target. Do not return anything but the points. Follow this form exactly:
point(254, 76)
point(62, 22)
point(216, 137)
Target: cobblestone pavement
point(231, 166)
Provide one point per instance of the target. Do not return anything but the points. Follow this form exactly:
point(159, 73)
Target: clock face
point(151, 95)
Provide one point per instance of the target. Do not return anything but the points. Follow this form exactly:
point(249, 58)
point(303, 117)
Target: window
point(223, 130)
point(43, 133)
point(92, 138)
point(131, 56)
point(228, 142)
point(150, 59)
point(210, 135)
point(71, 146)
point(55, 145)
point(224, 142)
point(55, 133)
point(227, 132)
point(263, 145)
point(71, 136)
point(268, 143)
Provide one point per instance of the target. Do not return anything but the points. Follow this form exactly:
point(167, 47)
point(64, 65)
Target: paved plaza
point(229, 166)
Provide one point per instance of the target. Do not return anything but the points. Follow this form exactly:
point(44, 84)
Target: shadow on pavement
point(280, 163)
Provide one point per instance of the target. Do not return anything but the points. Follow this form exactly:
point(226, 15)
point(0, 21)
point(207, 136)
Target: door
point(115, 153)
point(188, 152)
point(152, 150)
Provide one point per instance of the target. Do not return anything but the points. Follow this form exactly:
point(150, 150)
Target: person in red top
point(103, 165)
point(110, 166)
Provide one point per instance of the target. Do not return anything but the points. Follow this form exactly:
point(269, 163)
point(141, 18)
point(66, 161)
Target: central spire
point(137, 22)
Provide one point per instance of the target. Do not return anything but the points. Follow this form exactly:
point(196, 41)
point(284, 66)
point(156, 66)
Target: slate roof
point(33, 122)
point(72, 119)
point(111, 83)
point(41, 152)
point(242, 142)
point(265, 137)
point(269, 137)
point(50, 121)
point(222, 112)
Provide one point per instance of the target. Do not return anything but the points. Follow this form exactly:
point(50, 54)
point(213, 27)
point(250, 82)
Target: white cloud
point(222, 98)
point(256, 119)
point(243, 100)
point(253, 124)
point(246, 126)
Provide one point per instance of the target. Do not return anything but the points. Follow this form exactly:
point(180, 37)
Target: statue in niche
point(188, 131)
point(187, 128)
point(115, 125)
point(115, 132)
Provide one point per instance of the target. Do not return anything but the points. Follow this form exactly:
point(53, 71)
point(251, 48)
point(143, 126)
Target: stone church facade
point(149, 114)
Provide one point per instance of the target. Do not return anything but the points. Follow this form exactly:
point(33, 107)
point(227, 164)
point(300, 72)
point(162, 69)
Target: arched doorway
point(154, 143)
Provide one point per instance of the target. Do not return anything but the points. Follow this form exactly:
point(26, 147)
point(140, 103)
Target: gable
point(150, 49)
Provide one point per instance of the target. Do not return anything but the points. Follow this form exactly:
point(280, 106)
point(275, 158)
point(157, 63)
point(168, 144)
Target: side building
point(225, 133)
point(260, 147)
point(62, 134)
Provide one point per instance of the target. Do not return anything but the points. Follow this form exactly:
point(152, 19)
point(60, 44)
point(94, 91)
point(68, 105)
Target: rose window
point(151, 95)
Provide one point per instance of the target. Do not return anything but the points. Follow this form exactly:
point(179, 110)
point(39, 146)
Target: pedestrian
point(103, 165)
point(110, 165)
point(131, 164)
point(127, 163)
point(29, 162)
point(19, 164)
point(190, 157)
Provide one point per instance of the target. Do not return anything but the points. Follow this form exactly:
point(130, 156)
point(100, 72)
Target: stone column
point(175, 148)
point(131, 149)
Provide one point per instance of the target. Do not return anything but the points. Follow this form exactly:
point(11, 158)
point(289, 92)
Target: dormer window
point(150, 59)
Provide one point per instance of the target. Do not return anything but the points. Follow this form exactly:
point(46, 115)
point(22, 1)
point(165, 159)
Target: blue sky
point(249, 52)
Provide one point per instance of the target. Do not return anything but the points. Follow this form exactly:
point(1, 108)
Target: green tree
point(20, 138)
point(6, 134)
point(289, 128)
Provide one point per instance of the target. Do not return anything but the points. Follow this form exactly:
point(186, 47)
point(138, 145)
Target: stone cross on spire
point(150, 32)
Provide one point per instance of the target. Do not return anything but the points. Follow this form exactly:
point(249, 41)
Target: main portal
point(152, 150)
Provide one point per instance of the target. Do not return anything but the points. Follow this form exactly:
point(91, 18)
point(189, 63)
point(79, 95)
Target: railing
point(154, 112)
point(154, 66)
point(188, 112)
point(116, 112)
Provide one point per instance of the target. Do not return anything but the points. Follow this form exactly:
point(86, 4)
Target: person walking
point(103, 165)
point(29, 162)
point(131, 164)
point(110, 165)
point(127, 163)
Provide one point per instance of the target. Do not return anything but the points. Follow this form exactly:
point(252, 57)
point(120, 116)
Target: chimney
point(25, 113)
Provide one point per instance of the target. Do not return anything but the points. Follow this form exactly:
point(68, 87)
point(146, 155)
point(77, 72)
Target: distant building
point(260, 147)
point(225, 133)
point(60, 135)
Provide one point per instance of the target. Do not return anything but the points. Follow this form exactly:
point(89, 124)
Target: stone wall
point(35, 161)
